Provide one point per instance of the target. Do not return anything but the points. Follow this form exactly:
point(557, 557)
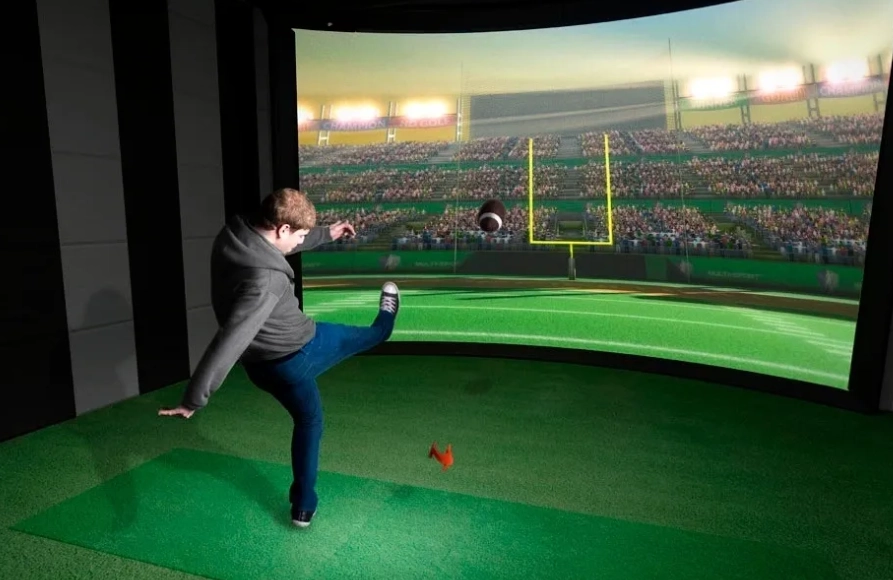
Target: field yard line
point(628, 346)
point(740, 310)
point(602, 314)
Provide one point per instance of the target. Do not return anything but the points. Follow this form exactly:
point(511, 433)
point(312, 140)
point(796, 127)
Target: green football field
point(790, 345)
point(561, 471)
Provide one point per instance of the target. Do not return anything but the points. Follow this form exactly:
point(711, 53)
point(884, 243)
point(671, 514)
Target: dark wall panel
point(142, 57)
point(34, 345)
point(284, 121)
point(238, 105)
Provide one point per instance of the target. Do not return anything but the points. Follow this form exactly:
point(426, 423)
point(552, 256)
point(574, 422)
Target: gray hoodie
point(253, 295)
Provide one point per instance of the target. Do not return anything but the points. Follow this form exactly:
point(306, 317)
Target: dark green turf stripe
point(222, 517)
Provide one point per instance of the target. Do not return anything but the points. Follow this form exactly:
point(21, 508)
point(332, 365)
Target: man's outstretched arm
point(324, 234)
point(252, 309)
point(317, 236)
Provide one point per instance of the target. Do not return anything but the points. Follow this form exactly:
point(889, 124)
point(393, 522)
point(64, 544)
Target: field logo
point(390, 262)
point(828, 280)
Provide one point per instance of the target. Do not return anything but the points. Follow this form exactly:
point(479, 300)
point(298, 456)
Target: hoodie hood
point(241, 246)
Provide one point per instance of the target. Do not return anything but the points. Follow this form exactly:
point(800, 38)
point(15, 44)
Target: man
point(261, 325)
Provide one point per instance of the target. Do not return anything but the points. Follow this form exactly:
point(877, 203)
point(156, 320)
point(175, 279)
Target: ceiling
point(460, 15)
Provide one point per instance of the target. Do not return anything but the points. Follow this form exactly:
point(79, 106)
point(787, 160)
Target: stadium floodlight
point(356, 113)
point(304, 115)
point(711, 88)
point(780, 80)
point(425, 110)
point(847, 71)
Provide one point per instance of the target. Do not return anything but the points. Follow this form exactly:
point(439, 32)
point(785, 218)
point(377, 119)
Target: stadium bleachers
point(733, 163)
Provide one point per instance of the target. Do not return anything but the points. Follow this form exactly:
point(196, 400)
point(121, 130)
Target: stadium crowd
point(592, 144)
point(485, 149)
point(660, 229)
point(657, 142)
point(654, 179)
point(825, 233)
point(510, 182)
point(822, 233)
point(752, 137)
point(371, 154)
point(798, 175)
point(802, 175)
point(544, 147)
point(460, 224)
point(861, 129)
point(368, 223)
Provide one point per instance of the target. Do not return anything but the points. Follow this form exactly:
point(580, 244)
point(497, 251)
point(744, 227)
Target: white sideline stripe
point(805, 334)
point(827, 343)
point(780, 324)
point(838, 352)
point(628, 346)
point(799, 332)
point(607, 315)
point(658, 304)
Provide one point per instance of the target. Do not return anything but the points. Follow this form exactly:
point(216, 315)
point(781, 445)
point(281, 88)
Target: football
point(491, 215)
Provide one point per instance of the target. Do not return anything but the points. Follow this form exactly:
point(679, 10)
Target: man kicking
point(261, 325)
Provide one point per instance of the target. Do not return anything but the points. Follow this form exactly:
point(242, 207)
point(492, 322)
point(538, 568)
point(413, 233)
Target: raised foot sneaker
point(390, 298)
point(302, 520)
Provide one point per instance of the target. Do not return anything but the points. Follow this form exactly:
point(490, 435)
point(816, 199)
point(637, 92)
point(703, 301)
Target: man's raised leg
point(293, 384)
point(334, 343)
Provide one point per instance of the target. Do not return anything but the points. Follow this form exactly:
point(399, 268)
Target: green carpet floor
point(199, 513)
point(601, 474)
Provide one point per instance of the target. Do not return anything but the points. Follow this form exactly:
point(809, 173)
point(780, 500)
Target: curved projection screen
point(724, 224)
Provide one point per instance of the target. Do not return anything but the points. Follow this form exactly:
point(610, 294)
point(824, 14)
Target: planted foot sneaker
point(302, 520)
point(390, 298)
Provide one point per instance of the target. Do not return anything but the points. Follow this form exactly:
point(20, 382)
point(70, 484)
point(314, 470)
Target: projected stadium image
point(680, 186)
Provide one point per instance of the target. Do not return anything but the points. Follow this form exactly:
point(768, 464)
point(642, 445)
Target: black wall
point(34, 346)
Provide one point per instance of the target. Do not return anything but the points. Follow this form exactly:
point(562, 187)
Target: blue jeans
point(292, 381)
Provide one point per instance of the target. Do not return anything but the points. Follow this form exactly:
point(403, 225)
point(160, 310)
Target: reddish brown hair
point(286, 206)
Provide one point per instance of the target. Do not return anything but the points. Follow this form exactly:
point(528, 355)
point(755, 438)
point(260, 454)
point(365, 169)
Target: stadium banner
point(776, 275)
point(399, 122)
point(781, 97)
point(712, 104)
point(535, 263)
point(857, 88)
point(363, 261)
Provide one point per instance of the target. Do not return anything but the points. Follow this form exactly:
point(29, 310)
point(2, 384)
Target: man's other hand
point(181, 411)
point(338, 229)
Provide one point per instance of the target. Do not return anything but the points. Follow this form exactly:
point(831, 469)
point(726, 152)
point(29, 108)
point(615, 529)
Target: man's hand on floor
point(181, 411)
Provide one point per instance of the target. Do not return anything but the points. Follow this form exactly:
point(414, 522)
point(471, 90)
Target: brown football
point(491, 215)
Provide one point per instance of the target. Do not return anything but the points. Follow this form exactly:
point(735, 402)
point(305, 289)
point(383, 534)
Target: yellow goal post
point(530, 208)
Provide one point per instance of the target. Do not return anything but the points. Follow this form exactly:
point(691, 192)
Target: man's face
point(288, 239)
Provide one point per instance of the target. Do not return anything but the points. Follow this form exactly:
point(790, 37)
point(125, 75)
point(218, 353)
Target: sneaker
point(303, 519)
point(390, 298)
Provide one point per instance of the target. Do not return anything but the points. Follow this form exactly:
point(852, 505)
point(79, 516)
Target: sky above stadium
point(738, 38)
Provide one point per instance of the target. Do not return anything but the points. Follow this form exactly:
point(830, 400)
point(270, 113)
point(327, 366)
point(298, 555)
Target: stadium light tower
point(780, 80)
point(712, 88)
point(846, 71)
point(356, 113)
point(425, 110)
